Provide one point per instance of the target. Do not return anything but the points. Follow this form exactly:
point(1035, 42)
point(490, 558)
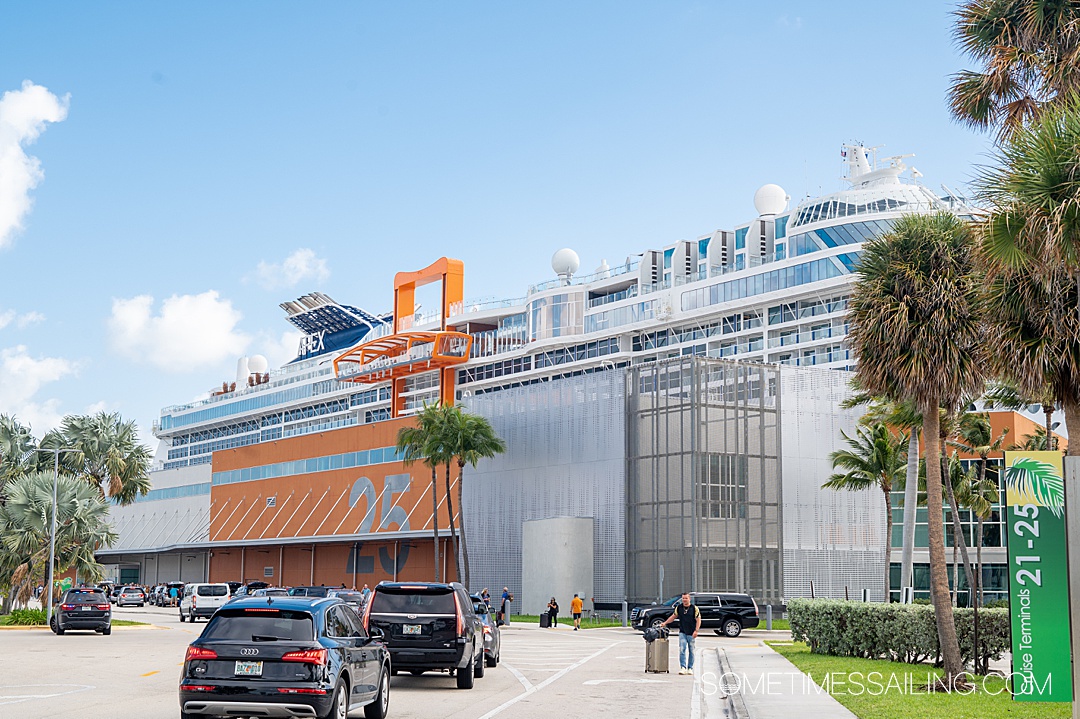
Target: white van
point(202, 600)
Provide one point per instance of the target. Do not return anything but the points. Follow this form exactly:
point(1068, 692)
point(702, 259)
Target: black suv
point(285, 657)
point(429, 626)
point(725, 613)
point(83, 609)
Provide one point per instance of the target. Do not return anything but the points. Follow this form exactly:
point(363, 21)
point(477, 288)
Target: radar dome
point(770, 200)
point(257, 364)
point(565, 262)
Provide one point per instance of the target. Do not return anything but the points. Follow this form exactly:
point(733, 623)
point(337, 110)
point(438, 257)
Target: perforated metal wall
point(703, 491)
point(833, 538)
point(566, 458)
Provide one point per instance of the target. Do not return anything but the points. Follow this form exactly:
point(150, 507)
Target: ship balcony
point(401, 355)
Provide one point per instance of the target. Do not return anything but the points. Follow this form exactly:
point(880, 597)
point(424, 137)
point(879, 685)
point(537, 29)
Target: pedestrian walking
point(485, 595)
point(504, 613)
point(365, 593)
point(575, 611)
point(553, 612)
point(689, 619)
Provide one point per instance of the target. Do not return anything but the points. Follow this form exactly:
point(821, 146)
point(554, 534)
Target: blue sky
point(215, 159)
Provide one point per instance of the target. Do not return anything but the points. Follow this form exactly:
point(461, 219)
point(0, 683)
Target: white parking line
point(510, 702)
point(19, 698)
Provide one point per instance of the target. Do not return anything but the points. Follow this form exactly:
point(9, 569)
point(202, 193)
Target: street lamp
point(52, 533)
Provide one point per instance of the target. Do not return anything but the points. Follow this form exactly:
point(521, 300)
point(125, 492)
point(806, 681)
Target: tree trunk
point(1048, 412)
point(888, 544)
point(911, 500)
point(453, 526)
point(959, 540)
point(1072, 424)
point(939, 578)
point(978, 561)
point(461, 508)
point(955, 575)
point(435, 517)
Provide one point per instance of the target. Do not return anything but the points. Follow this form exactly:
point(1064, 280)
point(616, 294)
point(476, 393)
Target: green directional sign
point(1038, 577)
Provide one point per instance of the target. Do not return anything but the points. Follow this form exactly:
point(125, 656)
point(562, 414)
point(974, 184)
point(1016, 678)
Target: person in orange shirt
point(575, 609)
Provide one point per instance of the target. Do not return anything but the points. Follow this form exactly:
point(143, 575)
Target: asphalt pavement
point(544, 672)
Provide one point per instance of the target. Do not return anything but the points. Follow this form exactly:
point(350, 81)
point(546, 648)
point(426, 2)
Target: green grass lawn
point(116, 622)
point(778, 625)
point(906, 698)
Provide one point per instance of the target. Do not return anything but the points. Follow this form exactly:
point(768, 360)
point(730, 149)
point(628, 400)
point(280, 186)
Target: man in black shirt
point(689, 619)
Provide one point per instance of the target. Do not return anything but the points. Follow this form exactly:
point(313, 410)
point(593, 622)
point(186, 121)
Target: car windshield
point(213, 590)
point(84, 598)
point(260, 625)
point(131, 590)
point(308, 591)
point(413, 601)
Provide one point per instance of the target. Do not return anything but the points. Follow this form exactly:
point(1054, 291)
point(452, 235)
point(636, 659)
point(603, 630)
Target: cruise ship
point(280, 466)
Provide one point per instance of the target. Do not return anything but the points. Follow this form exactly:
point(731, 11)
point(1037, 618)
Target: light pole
point(52, 533)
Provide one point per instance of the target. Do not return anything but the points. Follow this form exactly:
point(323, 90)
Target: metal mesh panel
point(565, 458)
point(704, 478)
point(835, 539)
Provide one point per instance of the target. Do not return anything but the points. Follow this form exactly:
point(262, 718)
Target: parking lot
point(134, 673)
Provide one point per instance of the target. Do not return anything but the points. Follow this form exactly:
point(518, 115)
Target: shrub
point(899, 632)
point(26, 617)
point(997, 604)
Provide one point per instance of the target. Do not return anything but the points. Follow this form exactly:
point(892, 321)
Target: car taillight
point(103, 607)
point(290, 690)
point(460, 618)
point(199, 653)
point(307, 656)
point(755, 606)
point(196, 688)
point(67, 606)
point(487, 629)
point(194, 600)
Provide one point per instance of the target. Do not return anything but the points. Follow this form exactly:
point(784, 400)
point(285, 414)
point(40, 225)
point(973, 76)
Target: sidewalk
point(764, 685)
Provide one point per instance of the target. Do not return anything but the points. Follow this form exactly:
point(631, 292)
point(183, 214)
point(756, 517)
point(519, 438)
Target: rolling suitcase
point(545, 621)
point(656, 656)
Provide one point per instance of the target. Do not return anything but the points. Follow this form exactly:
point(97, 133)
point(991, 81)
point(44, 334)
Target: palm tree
point(1006, 395)
point(874, 459)
point(1031, 442)
point(26, 523)
point(915, 329)
point(110, 456)
point(421, 443)
point(16, 449)
point(906, 416)
point(471, 438)
point(958, 480)
point(975, 436)
point(1029, 50)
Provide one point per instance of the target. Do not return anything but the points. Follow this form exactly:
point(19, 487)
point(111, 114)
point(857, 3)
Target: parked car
point(270, 592)
point(492, 635)
point(156, 595)
point(114, 593)
point(636, 611)
point(202, 600)
point(167, 598)
point(727, 614)
point(285, 657)
point(131, 596)
point(309, 591)
point(428, 626)
point(84, 608)
point(234, 587)
point(351, 597)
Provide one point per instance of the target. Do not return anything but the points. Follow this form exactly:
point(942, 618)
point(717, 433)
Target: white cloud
point(785, 21)
point(23, 114)
point(299, 266)
point(282, 350)
point(189, 332)
point(96, 407)
point(30, 318)
point(21, 376)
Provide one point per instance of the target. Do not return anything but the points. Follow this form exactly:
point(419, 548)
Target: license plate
point(248, 669)
point(86, 608)
point(411, 629)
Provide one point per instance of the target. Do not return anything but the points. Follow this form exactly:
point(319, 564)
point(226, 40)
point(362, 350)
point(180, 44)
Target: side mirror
point(376, 634)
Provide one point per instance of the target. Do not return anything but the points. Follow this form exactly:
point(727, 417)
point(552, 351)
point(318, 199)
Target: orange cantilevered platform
point(408, 352)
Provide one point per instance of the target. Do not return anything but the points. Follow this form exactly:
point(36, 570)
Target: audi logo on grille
point(249, 652)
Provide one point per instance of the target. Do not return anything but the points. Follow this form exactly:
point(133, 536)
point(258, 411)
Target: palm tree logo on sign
point(1032, 481)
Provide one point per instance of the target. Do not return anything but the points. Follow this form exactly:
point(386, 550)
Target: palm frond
point(1032, 481)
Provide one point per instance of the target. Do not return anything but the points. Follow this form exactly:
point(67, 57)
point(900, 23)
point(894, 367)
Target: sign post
point(1038, 577)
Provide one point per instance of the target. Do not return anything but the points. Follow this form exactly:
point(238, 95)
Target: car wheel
point(339, 705)
point(59, 630)
point(181, 617)
point(491, 661)
point(191, 617)
point(478, 667)
point(656, 623)
point(416, 672)
point(379, 707)
point(732, 628)
point(393, 672)
point(464, 679)
point(107, 631)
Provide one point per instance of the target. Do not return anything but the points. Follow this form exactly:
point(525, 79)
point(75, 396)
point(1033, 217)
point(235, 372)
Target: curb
point(45, 627)
point(735, 703)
